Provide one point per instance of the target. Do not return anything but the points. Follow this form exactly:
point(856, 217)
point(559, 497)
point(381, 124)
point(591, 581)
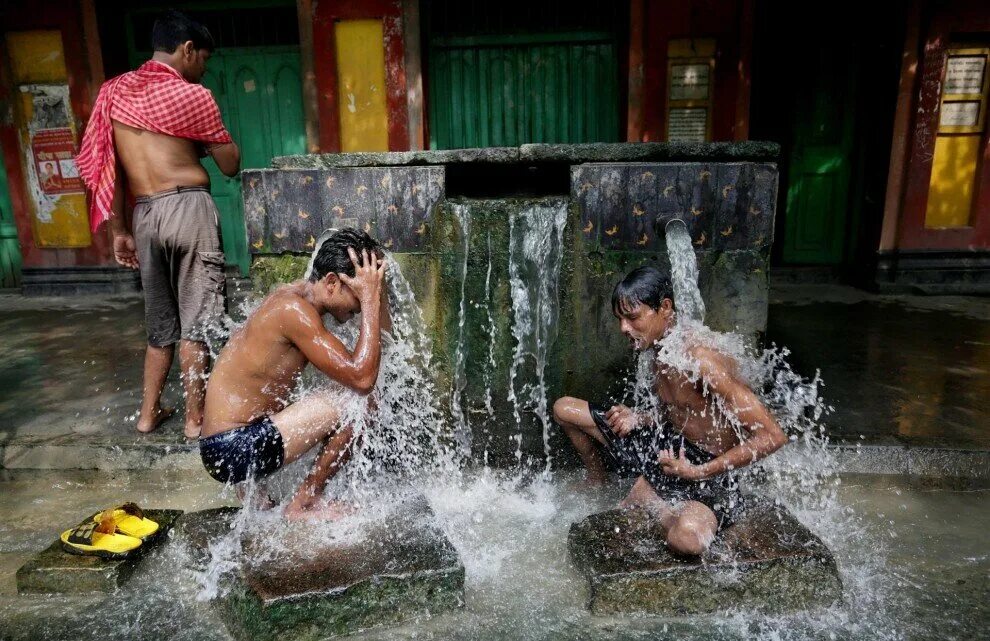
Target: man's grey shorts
point(178, 245)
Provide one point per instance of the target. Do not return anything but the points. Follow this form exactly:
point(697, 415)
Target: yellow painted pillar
point(361, 85)
point(49, 140)
point(962, 118)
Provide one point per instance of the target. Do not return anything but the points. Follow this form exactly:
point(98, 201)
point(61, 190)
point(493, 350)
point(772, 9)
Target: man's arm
point(124, 249)
point(227, 157)
point(764, 435)
point(304, 327)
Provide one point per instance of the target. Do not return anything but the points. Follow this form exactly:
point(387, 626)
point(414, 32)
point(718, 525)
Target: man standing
point(154, 124)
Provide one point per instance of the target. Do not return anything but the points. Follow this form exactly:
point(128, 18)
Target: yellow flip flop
point(92, 538)
point(129, 519)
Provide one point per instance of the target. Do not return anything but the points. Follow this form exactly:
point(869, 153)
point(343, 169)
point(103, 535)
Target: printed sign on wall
point(55, 163)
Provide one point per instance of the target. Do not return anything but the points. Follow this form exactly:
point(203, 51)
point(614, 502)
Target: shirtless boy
point(685, 466)
point(250, 431)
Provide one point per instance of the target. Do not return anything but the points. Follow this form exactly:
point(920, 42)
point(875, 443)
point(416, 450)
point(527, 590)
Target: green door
point(817, 215)
point(510, 90)
point(10, 249)
point(260, 96)
point(259, 91)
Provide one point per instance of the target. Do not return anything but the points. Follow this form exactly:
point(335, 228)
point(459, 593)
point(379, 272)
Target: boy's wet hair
point(332, 257)
point(646, 285)
point(174, 27)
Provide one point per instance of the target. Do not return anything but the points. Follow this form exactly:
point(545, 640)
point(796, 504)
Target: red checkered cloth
point(156, 98)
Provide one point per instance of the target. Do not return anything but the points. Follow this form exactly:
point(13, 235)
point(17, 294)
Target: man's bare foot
point(259, 499)
point(330, 511)
point(148, 424)
point(192, 430)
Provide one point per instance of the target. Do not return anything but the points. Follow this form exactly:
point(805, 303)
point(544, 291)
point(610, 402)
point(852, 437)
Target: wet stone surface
point(401, 569)
point(767, 561)
point(54, 571)
point(197, 530)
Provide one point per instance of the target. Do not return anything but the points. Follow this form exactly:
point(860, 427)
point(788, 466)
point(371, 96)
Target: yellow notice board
point(47, 128)
point(961, 125)
point(361, 85)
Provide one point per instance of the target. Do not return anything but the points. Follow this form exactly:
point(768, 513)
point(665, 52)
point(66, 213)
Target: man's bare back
point(259, 367)
point(155, 162)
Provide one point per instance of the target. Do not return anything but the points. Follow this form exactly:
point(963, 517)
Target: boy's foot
point(148, 424)
point(329, 511)
point(192, 430)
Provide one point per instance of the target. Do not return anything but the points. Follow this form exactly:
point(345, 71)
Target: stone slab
point(544, 153)
point(766, 561)
point(287, 210)
point(197, 530)
point(625, 206)
point(405, 568)
point(54, 571)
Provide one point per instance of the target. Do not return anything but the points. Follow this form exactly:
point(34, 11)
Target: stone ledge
point(110, 452)
point(543, 153)
point(767, 561)
point(54, 571)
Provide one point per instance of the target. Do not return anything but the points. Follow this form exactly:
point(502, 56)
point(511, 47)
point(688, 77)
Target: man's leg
point(690, 526)
point(308, 422)
point(160, 317)
point(574, 417)
point(157, 363)
point(335, 452)
point(194, 358)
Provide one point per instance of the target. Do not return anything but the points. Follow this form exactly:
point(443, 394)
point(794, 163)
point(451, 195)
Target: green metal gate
point(509, 90)
point(10, 250)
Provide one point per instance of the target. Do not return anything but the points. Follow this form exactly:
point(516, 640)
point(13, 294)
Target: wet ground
point(897, 369)
point(914, 562)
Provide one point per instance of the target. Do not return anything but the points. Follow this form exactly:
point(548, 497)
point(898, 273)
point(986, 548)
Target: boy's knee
point(562, 407)
point(689, 538)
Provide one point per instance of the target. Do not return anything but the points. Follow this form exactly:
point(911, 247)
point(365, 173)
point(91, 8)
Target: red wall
point(325, 67)
point(942, 20)
point(65, 16)
point(729, 22)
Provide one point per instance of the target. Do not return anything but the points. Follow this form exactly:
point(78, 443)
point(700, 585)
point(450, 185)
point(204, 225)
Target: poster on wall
point(687, 125)
point(54, 161)
point(964, 75)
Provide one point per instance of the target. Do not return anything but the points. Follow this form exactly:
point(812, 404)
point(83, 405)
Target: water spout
point(684, 272)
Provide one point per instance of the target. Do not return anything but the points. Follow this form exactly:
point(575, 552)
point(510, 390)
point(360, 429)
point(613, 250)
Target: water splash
point(536, 241)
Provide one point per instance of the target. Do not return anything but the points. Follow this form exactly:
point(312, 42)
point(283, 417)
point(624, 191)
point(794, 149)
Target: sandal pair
point(110, 534)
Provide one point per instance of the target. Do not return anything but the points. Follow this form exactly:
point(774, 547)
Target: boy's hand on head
point(622, 420)
point(369, 272)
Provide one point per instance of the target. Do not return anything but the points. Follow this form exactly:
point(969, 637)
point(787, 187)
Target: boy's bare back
point(259, 367)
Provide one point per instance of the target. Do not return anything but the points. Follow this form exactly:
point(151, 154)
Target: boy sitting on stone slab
point(250, 430)
point(685, 464)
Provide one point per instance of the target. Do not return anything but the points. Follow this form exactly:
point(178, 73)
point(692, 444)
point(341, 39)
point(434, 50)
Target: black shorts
point(252, 451)
point(636, 455)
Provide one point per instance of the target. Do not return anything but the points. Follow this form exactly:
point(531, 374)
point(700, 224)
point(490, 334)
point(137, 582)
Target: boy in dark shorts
point(684, 465)
point(250, 430)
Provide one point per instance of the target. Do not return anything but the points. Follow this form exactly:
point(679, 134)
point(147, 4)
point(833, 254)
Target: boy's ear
point(331, 280)
point(667, 306)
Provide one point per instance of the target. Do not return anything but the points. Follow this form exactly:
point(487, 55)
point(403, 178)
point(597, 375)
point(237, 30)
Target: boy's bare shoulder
point(285, 305)
point(712, 360)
